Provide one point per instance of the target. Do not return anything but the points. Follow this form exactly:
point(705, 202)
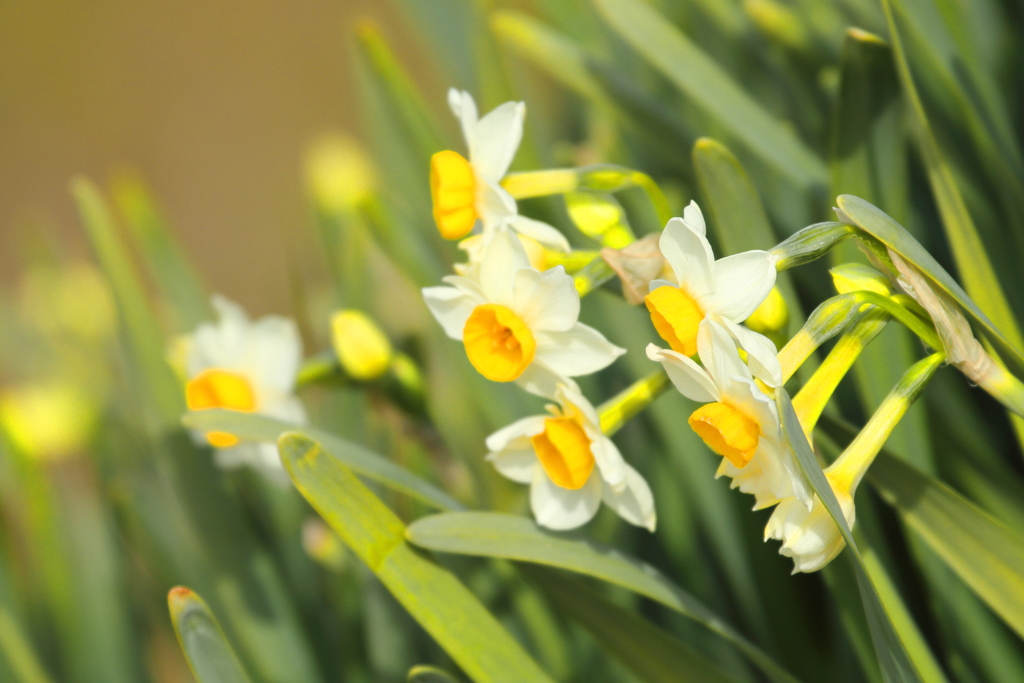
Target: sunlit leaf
point(209, 654)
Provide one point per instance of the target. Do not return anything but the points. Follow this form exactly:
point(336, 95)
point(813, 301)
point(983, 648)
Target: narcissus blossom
point(238, 364)
point(467, 192)
point(725, 291)
point(811, 537)
point(570, 465)
point(519, 324)
point(738, 420)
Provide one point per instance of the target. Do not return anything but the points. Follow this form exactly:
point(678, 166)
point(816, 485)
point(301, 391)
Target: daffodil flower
point(519, 324)
point(738, 420)
point(570, 465)
point(725, 291)
point(466, 192)
point(238, 364)
point(811, 537)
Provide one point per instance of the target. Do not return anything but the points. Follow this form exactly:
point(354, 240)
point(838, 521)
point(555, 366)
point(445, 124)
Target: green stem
point(621, 408)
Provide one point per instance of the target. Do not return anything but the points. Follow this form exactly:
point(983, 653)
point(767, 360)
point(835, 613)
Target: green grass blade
point(705, 82)
point(208, 652)
point(431, 594)
point(254, 427)
point(492, 534)
point(893, 658)
point(17, 651)
point(650, 652)
point(429, 674)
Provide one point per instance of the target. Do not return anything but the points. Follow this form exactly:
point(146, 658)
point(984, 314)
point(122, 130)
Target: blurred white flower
point(519, 324)
point(571, 466)
point(726, 291)
point(811, 537)
point(739, 421)
point(238, 364)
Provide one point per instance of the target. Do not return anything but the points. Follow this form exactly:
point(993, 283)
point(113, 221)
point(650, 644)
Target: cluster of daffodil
point(517, 315)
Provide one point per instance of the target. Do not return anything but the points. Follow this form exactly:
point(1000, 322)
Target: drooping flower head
point(570, 465)
point(467, 192)
point(238, 364)
point(738, 420)
point(811, 537)
point(725, 291)
point(519, 324)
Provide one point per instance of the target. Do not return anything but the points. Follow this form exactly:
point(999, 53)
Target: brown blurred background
point(213, 102)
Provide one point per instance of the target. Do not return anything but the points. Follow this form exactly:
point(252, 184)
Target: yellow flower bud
point(339, 173)
point(362, 348)
point(855, 277)
point(47, 420)
point(771, 316)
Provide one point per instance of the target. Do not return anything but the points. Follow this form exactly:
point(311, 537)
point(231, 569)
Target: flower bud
point(854, 277)
point(362, 349)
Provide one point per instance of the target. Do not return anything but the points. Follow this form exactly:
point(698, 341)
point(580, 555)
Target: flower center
point(564, 452)
point(676, 317)
point(499, 344)
point(220, 389)
point(727, 432)
point(453, 190)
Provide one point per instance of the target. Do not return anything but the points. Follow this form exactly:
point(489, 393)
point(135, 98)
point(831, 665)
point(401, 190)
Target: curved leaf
point(431, 594)
point(208, 652)
point(493, 534)
point(429, 674)
point(253, 427)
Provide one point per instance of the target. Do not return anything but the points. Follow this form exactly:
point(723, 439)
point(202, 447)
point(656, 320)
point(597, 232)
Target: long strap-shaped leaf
point(253, 427)
point(984, 552)
point(892, 654)
point(705, 82)
point(650, 652)
point(207, 651)
point(431, 594)
point(493, 534)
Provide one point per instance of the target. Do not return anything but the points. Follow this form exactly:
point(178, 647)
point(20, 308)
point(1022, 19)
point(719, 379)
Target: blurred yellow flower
point(362, 348)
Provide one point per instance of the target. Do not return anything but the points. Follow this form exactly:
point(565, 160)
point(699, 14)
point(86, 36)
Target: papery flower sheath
point(248, 366)
point(467, 192)
point(738, 420)
point(725, 291)
point(519, 324)
point(570, 465)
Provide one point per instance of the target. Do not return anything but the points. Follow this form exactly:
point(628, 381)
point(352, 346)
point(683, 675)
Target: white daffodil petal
point(718, 353)
point(580, 350)
point(689, 378)
point(607, 458)
point(573, 401)
point(560, 509)
point(540, 380)
point(451, 307)
point(464, 108)
point(286, 407)
point(690, 256)
point(762, 356)
point(634, 502)
point(694, 218)
point(519, 464)
point(524, 428)
point(496, 140)
point(546, 301)
point(741, 283)
point(496, 206)
point(503, 258)
point(547, 235)
point(274, 354)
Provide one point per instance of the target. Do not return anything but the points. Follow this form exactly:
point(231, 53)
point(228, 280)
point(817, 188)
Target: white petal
point(520, 429)
point(634, 502)
point(689, 378)
point(496, 206)
point(496, 140)
point(718, 353)
point(741, 283)
point(574, 402)
point(561, 509)
point(581, 350)
point(517, 464)
point(223, 344)
point(546, 234)
point(274, 354)
point(287, 408)
point(546, 301)
point(762, 356)
point(690, 256)
point(451, 307)
point(464, 108)
point(609, 460)
point(503, 258)
point(540, 380)
point(694, 218)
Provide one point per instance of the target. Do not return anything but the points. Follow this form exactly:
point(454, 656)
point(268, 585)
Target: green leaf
point(882, 227)
point(431, 594)
point(17, 651)
point(706, 83)
point(207, 650)
point(892, 655)
point(254, 427)
point(492, 534)
point(650, 652)
point(429, 674)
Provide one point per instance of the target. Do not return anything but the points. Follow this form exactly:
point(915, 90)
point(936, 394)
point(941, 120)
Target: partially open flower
point(811, 537)
point(726, 291)
point(237, 364)
point(519, 324)
point(570, 465)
